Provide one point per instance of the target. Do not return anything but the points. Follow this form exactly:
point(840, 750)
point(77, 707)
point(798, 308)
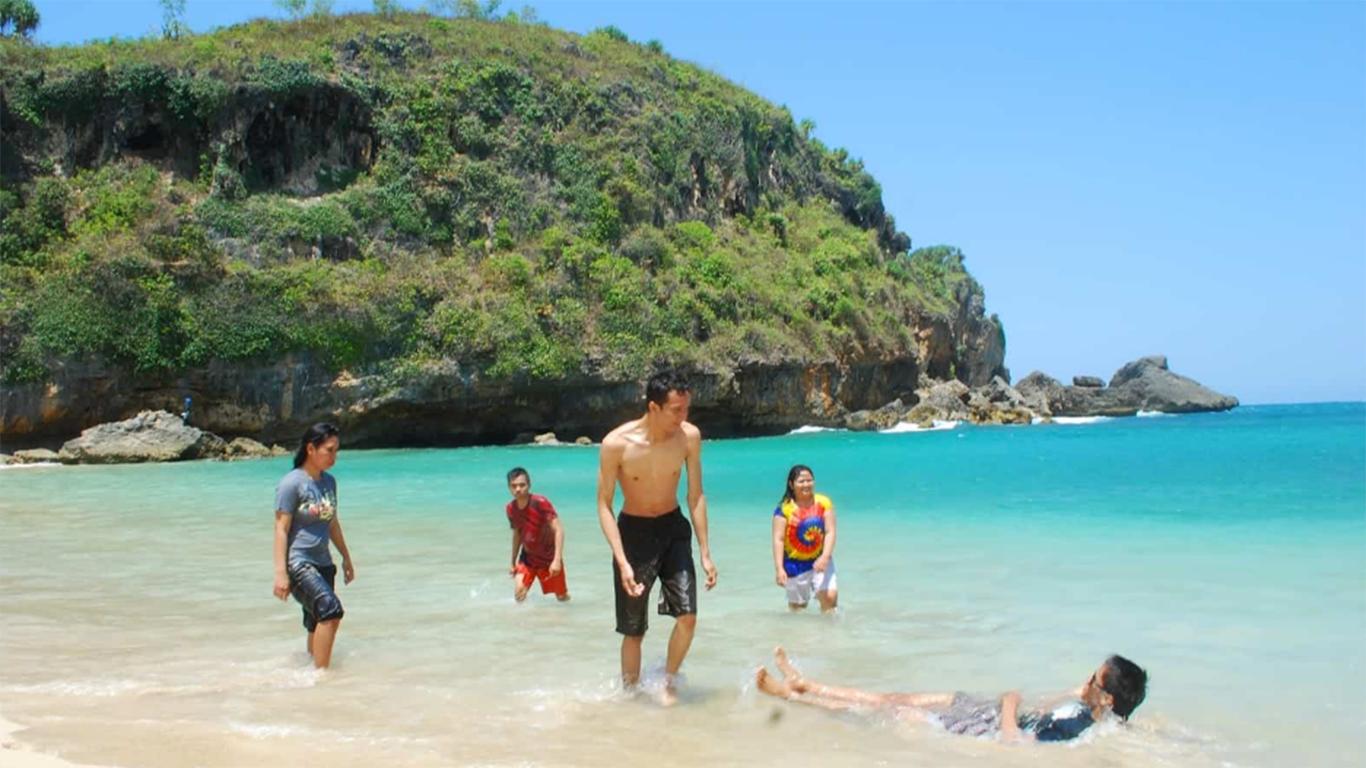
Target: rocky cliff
point(443, 232)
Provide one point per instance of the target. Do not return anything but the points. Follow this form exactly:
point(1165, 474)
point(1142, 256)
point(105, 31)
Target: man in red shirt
point(538, 536)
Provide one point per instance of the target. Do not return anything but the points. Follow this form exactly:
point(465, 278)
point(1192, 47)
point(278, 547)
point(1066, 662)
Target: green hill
point(385, 197)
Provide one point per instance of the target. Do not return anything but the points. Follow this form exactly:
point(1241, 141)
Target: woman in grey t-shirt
point(305, 523)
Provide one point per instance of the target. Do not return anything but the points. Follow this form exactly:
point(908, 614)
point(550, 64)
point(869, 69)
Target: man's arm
point(609, 464)
point(516, 548)
point(558, 562)
point(697, 501)
point(1010, 716)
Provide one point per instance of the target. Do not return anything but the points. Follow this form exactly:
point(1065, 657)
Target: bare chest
point(653, 469)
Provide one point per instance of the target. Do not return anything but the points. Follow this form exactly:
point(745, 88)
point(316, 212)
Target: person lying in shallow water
point(1118, 685)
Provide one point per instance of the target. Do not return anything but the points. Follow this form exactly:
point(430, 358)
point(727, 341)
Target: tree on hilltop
point(173, 24)
point(297, 9)
point(17, 18)
point(467, 9)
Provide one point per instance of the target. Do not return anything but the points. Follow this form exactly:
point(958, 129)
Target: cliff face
point(445, 404)
point(439, 232)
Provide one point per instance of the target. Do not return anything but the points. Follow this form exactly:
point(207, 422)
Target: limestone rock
point(1091, 382)
point(886, 417)
point(1000, 391)
point(924, 415)
point(1151, 386)
point(1040, 391)
point(583, 440)
point(949, 398)
point(1137, 368)
point(246, 448)
point(1144, 384)
point(546, 438)
point(36, 456)
point(998, 403)
point(149, 436)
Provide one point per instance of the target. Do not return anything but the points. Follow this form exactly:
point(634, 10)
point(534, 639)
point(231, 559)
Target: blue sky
point(1124, 178)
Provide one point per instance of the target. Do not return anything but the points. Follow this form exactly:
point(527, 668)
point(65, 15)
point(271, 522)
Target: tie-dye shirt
point(311, 505)
point(805, 537)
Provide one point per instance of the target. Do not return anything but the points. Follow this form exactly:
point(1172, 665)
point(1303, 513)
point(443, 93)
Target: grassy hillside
point(380, 193)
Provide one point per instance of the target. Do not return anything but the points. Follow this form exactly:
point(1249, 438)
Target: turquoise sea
point(1224, 552)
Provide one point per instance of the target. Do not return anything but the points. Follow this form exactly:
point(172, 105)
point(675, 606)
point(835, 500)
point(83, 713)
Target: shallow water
point(1224, 552)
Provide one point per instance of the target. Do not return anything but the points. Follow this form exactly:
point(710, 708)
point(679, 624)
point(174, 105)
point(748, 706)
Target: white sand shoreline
point(16, 754)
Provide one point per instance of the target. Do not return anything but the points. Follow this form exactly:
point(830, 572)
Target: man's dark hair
point(515, 471)
point(315, 436)
point(1127, 684)
point(661, 384)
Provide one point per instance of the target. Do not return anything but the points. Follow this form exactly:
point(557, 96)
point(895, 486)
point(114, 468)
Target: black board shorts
point(656, 547)
point(315, 587)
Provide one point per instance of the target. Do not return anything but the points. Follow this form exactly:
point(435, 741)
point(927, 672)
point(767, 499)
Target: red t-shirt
point(538, 538)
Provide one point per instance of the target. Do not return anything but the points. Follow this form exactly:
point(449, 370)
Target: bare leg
point(322, 644)
point(794, 607)
point(562, 597)
point(783, 690)
point(785, 665)
point(829, 599)
point(630, 659)
point(519, 588)
point(801, 685)
point(870, 699)
point(679, 642)
point(310, 645)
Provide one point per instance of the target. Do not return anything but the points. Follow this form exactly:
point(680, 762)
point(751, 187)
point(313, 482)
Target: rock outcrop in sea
point(149, 436)
point(1146, 384)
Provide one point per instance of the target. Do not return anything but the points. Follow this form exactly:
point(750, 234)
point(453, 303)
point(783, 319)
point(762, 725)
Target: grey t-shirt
point(311, 504)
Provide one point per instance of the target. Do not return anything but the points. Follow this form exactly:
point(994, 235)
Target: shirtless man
point(651, 539)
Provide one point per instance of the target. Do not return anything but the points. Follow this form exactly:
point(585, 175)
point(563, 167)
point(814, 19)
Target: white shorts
point(799, 588)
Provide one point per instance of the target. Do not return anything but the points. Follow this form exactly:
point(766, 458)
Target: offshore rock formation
point(1145, 384)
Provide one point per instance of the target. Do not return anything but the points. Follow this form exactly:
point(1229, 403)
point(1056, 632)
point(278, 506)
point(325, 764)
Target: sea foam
point(906, 426)
point(809, 430)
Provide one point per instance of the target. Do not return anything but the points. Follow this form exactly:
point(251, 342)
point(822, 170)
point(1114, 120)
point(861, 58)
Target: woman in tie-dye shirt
point(804, 542)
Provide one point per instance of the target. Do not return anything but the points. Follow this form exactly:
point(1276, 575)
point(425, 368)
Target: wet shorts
point(550, 585)
point(314, 587)
point(801, 586)
point(656, 547)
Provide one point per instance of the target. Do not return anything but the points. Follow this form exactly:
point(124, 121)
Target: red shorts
point(549, 584)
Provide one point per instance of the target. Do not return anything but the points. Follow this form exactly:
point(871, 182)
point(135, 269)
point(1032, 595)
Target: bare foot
point(785, 666)
point(669, 696)
point(767, 684)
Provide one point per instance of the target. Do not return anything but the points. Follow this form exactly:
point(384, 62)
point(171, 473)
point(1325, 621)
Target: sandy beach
point(15, 754)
